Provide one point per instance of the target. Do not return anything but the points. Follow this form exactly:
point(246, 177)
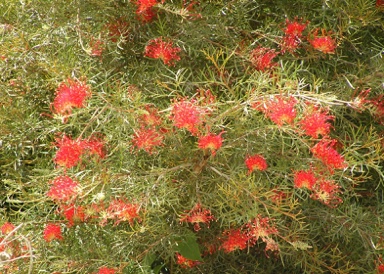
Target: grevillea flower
point(164, 50)
point(293, 34)
point(145, 11)
point(279, 109)
point(235, 239)
point(261, 58)
point(326, 192)
point(255, 162)
point(97, 47)
point(150, 117)
point(52, 232)
point(304, 179)
point(63, 189)
point(324, 151)
point(259, 228)
point(118, 29)
point(380, 4)
point(70, 94)
point(94, 146)
point(188, 115)
point(184, 262)
point(73, 214)
point(316, 123)
point(147, 139)
point(106, 270)
point(197, 216)
point(323, 43)
point(122, 211)
point(69, 152)
point(7, 228)
point(211, 142)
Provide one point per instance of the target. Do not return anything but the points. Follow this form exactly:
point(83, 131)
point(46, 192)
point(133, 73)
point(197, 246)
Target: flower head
point(164, 50)
point(259, 228)
point(188, 115)
point(323, 43)
point(52, 232)
point(211, 142)
point(280, 109)
point(304, 179)
point(235, 239)
point(69, 152)
point(197, 216)
point(147, 139)
point(122, 211)
point(63, 189)
point(150, 117)
point(255, 162)
point(293, 33)
point(7, 228)
point(106, 270)
point(184, 262)
point(73, 214)
point(71, 94)
point(261, 58)
point(324, 151)
point(316, 123)
point(326, 192)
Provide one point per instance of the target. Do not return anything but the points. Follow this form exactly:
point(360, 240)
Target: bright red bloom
point(293, 33)
point(261, 58)
point(184, 262)
point(259, 228)
point(280, 109)
point(147, 139)
point(256, 162)
point(380, 4)
point(151, 117)
point(197, 216)
point(73, 214)
point(324, 151)
point(63, 189)
point(211, 141)
point(316, 123)
point(326, 192)
point(235, 240)
point(7, 228)
point(304, 179)
point(380, 267)
point(188, 115)
point(145, 10)
point(323, 43)
point(122, 211)
point(69, 152)
point(164, 50)
point(71, 94)
point(106, 270)
point(52, 232)
point(94, 146)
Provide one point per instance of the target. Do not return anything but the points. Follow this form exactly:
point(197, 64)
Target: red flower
point(323, 43)
point(94, 146)
point(151, 117)
point(188, 115)
point(259, 228)
point(256, 162)
point(211, 141)
point(235, 240)
point(324, 151)
point(69, 152)
point(293, 33)
point(73, 214)
point(63, 189)
point(7, 228)
point(184, 262)
point(118, 29)
point(316, 123)
point(326, 192)
point(52, 232)
point(97, 47)
point(261, 58)
point(106, 270)
point(164, 50)
point(380, 4)
point(123, 211)
point(279, 109)
point(70, 95)
point(380, 267)
point(304, 179)
point(147, 139)
point(145, 10)
point(198, 215)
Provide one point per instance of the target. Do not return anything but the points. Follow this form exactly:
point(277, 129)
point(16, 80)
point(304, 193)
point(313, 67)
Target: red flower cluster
point(328, 155)
point(293, 34)
point(196, 216)
point(261, 58)
point(7, 228)
point(71, 94)
point(235, 239)
point(323, 43)
point(122, 211)
point(63, 189)
point(118, 29)
point(145, 9)
point(326, 192)
point(70, 151)
point(304, 179)
point(106, 270)
point(279, 109)
point(316, 123)
point(380, 4)
point(188, 115)
point(256, 162)
point(164, 50)
point(151, 117)
point(184, 262)
point(52, 232)
point(259, 228)
point(211, 141)
point(147, 139)
point(73, 214)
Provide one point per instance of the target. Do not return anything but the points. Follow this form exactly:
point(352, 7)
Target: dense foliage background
point(191, 136)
